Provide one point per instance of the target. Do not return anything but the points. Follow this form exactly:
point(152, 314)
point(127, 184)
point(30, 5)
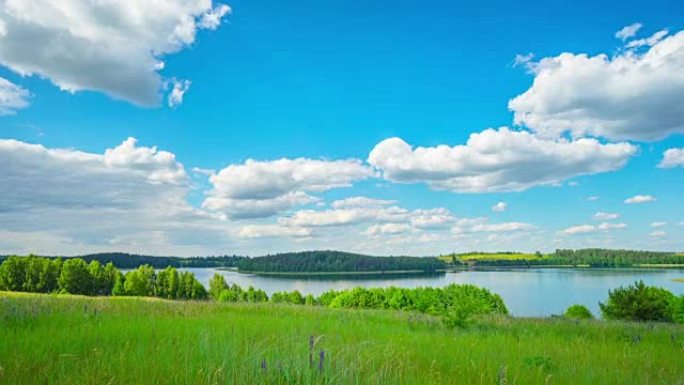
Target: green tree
point(49, 276)
point(34, 268)
point(578, 312)
point(217, 285)
point(75, 277)
point(140, 282)
point(638, 302)
point(13, 273)
point(119, 288)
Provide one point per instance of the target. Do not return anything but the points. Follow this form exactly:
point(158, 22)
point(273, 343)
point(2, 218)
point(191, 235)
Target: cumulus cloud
point(178, 90)
point(501, 206)
point(634, 95)
point(640, 199)
point(256, 189)
point(114, 47)
point(593, 198)
point(611, 226)
point(482, 225)
point(273, 231)
point(658, 224)
point(580, 229)
point(628, 31)
point(603, 216)
point(360, 201)
point(673, 157)
point(127, 198)
point(587, 229)
point(387, 228)
point(12, 97)
point(658, 234)
point(497, 160)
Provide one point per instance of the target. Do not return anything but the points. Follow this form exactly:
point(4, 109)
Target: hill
point(330, 261)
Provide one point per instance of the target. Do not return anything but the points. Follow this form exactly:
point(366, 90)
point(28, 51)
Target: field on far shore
point(493, 257)
point(63, 339)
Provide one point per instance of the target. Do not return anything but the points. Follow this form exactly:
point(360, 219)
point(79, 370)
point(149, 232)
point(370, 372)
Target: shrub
point(677, 308)
point(578, 312)
point(638, 302)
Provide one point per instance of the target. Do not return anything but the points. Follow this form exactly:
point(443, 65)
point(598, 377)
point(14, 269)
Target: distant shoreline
point(342, 273)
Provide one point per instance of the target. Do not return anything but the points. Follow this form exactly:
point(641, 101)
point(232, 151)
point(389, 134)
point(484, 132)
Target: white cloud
point(633, 95)
point(437, 218)
point(360, 201)
point(129, 198)
point(587, 229)
point(611, 226)
point(115, 47)
point(387, 228)
point(580, 229)
point(673, 157)
point(345, 217)
point(178, 90)
point(501, 227)
point(501, 206)
point(640, 199)
point(603, 216)
point(273, 231)
point(658, 234)
point(263, 188)
point(628, 31)
point(481, 225)
point(649, 41)
point(658, 224)
point(593, 198)
point(497, 160)
point(257, 208)
point(12, 97)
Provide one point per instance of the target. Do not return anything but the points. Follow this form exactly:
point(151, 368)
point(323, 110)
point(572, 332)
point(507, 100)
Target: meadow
point(67, 339)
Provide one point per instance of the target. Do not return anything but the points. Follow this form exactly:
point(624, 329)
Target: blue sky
point(329, 83)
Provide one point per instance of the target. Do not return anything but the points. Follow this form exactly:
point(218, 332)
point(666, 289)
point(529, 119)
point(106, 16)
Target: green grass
point(493, 257)
point(678, 279)
point(48, 339)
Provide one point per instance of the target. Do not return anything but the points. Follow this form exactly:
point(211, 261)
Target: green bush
point(578, 312)
point(638, 302)
point(677, 307)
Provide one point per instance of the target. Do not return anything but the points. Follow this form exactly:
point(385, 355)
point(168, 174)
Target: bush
point(677, 307)
point(578, 312)
point(639, 302)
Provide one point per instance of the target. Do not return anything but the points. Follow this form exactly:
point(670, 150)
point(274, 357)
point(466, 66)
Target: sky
point(195, 127)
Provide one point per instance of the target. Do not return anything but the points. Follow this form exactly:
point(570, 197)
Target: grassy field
point(79, 340)
point(492, 257)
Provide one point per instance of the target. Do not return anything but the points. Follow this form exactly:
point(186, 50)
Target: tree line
point(337, 261)
point(76, 276)
point(585, 257)
point(132, 261)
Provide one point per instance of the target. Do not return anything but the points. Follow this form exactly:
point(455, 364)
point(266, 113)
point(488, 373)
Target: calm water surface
point(527, 292)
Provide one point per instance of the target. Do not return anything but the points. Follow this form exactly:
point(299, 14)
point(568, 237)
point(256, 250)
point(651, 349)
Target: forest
point(75, 276)
point(337, 261)
point(567, 257)
point(132, 261)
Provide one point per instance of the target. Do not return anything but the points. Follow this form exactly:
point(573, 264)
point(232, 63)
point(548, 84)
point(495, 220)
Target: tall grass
point(50, 339)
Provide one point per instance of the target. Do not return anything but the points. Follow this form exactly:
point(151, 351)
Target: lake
point(527, 292)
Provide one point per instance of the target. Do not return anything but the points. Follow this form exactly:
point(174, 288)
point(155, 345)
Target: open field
point(51, 339)
point(493, 257)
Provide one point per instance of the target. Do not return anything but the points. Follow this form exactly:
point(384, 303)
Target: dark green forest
point(337, 261)
point(132, 261)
